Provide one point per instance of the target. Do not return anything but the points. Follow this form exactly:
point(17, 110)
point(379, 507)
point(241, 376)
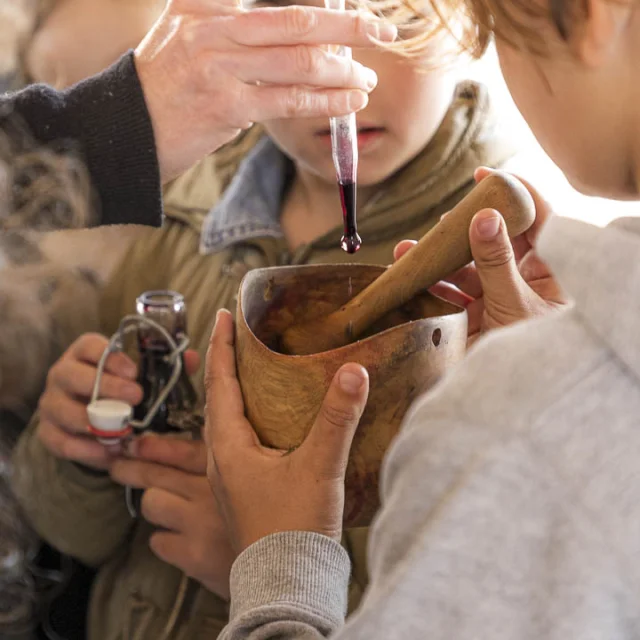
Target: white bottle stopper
point(109, 420)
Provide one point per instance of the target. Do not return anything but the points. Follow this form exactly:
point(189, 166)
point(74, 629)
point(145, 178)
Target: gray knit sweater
point(511, 498)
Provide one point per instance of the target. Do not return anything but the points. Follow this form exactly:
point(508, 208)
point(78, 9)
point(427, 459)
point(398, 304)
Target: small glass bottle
point(168, 309)
point(175, 414)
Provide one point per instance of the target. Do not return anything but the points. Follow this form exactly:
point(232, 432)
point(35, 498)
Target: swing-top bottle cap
point(109, 418)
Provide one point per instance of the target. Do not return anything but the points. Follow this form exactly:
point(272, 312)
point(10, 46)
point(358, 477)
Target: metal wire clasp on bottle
point(111, 421)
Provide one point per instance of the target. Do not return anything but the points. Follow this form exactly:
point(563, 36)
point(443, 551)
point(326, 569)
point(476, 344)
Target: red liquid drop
point(351, 241)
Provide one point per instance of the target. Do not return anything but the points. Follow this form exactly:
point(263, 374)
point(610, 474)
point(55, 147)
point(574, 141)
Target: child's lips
point(366, 136)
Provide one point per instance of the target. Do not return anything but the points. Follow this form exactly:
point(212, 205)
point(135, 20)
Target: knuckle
point(66, 447)
point(118, 358)
point(497, 256)
point(89, 343)
point(189, 31)
point(194, 459)
point(232, 105)
point(47, 406)
point(156, 541)
point(112, 387)
point(239, 117)
point(339, 416)
point(148, 503)
point(48, 437)
point(300, 21)
point(59, 371)
point(306, 60)
point(184, 457)
point(43, 406)
point(52, 379)
point(147, 478)
point(332, 104)
point(360, 25)
point(297, 102)
point(202, 78)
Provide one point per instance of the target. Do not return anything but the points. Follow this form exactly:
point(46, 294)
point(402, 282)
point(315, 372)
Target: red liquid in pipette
point(351, 241)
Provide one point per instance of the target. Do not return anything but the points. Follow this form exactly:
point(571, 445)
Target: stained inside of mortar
point(274, 300)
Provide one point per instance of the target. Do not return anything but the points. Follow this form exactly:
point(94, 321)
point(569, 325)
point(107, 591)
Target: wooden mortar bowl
point(408, 351)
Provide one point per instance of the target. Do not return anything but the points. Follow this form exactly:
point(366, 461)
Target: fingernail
point(219, 314)
point(350, 381)
point(371, 78)
point(356, 100)
point(382, 30)
point(489, 226)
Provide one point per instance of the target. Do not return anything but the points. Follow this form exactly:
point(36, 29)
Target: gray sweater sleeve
point(443, 555)
point(477, 538)
point(288, 585)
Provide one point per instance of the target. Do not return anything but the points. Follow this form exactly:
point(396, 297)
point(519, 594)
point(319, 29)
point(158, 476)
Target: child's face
point(403, 113)
point(581, 101)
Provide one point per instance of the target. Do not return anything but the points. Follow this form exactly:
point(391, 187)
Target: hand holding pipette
point(344, 147)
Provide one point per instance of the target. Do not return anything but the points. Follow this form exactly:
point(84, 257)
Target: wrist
point(300, 568)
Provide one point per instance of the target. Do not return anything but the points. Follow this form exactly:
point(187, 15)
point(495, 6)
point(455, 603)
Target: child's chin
point(370, 177)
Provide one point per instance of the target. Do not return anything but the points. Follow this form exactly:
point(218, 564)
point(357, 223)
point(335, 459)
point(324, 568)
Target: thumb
point(328, 444)
point(502, 284)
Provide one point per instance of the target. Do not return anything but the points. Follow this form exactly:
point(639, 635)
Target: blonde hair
point(421, 22)
point(473, 23)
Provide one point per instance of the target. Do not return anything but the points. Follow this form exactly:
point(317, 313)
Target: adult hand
point(178, 500)
point(63, 426)
point(262, 491)
point(507, 281)
point(209, 69)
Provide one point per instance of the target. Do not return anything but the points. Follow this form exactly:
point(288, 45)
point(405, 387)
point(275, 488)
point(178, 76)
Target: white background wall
point(536, 166)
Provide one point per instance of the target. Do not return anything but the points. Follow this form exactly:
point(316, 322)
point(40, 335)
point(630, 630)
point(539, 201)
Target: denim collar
point(250, 207)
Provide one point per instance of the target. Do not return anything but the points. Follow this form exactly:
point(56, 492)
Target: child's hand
point(209, 68)
point(262, 491)
point(63, 427)
point(178, 499)
point(507, 282)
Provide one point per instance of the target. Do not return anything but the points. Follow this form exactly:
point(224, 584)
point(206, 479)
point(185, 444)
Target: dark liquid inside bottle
point(175, 414)
point(154, 374)
point(351, 241)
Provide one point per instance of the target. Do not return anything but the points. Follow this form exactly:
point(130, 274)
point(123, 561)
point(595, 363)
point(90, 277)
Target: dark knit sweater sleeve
point(104, 118)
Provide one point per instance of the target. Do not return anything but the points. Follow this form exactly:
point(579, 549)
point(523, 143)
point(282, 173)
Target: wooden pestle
point(443, 250)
